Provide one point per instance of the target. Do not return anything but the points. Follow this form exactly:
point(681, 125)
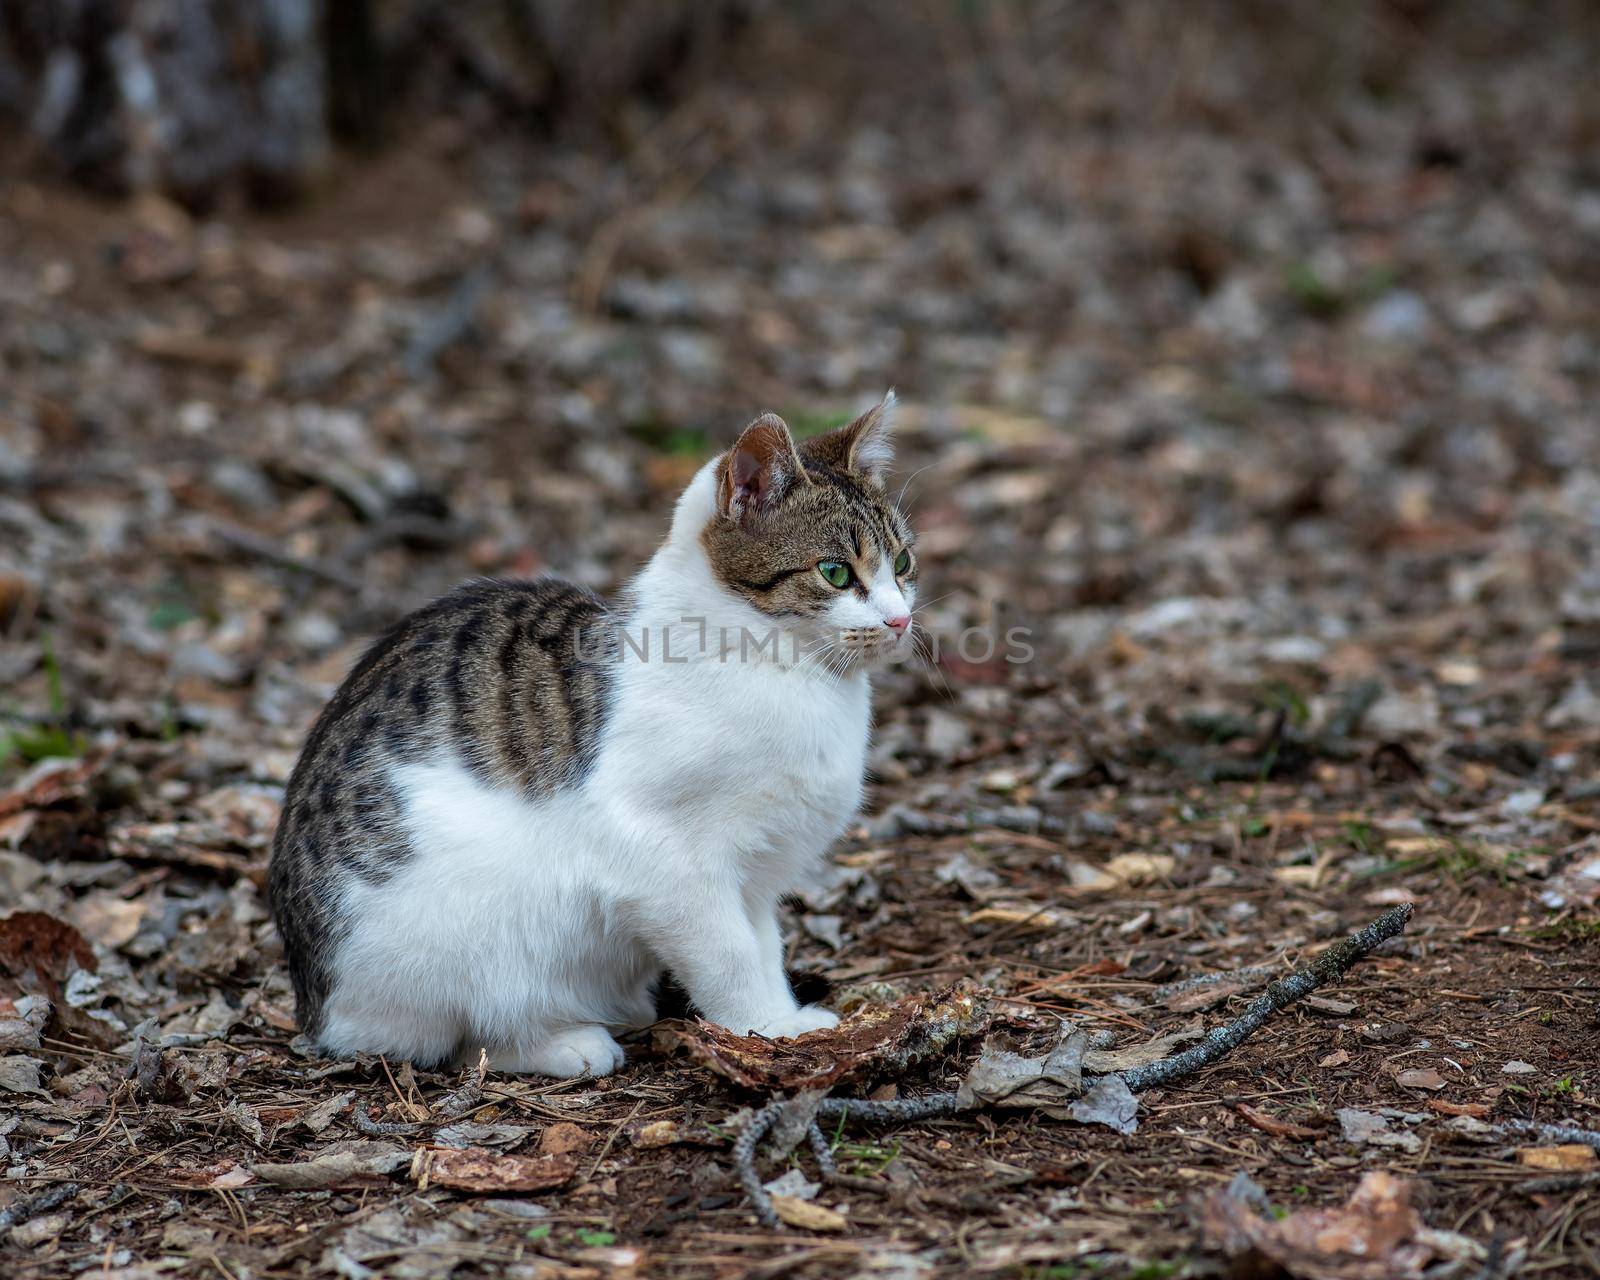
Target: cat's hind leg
point(585, 1049)
point(381, 1022)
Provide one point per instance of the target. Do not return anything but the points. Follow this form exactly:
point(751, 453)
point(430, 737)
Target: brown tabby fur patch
point(511, 677)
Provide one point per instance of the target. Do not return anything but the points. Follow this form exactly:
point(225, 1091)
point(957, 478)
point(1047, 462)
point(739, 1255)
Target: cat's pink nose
point(898, 625)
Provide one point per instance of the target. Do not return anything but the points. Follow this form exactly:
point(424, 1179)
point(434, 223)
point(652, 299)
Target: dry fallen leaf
point(1130, 1056)
point(108, 919)
point(232, 1179)
point(1475, 1109)
point(1197, 998)
point(1140, 868)
point(37, 1231)
point(1366, 1129)
point(1413, 846)
point(1422, 1078)
point(807, 1214)
point(658, 1133)
point(1004, 1077)
point(317, 1118)
point(1577, 885)
point(563, 1138)
point(1025, 917)
point(478, 1169)
point(1110, 1102)
point(1568, 1158)
point(614, 1262)
point(19, 1074)
point(1052, 1081)
point(878, 1038)
point(1327, 1004)
point(1375, 1235)
point(792, 1182)
point(50, 782)
point(469, 1133)
point(22, 1022)
point(1338, 1058)
point(17, 1034)
point(225, 1174)
point(31, 941)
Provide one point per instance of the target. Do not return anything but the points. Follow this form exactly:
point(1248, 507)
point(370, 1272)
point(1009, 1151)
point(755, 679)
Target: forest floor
point(1274, 432)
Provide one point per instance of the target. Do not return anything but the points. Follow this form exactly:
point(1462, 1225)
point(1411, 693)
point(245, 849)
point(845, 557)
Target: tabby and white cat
point(523, 805)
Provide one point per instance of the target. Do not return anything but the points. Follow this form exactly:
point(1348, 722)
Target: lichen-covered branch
point(1560, 1183)
point(744, 1159)
point(899, 1111)
point(381, 1128)
point(1330, 966)
point(30, 1207)
point(1554, 1133)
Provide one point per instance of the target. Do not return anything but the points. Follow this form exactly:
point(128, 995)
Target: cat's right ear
point(761, 467)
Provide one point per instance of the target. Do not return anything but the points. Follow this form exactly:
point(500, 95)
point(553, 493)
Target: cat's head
point(808, 535)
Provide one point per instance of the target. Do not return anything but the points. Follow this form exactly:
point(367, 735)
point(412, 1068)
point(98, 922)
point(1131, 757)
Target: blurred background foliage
point(194, 98)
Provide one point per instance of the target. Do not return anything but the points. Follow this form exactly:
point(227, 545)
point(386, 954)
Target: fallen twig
point(381, 1128)
point(251, 543)
point(1331, 965)
point(830, 1169)
point(744, 1159)
point(1551, 1133)
point(30, 1207)
point(821, 1149)
point(1560, 1182)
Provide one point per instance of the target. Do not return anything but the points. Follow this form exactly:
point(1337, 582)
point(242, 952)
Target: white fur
point(535, 930)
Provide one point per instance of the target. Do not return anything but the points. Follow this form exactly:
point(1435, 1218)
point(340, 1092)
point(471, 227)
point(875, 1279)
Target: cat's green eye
point(836, 574)
point(902, 564)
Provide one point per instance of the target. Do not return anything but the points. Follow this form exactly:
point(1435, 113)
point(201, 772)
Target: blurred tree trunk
point(176, 95)
point(190, 97)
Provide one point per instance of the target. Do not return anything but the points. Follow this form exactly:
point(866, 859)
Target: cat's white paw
point(809, 1017)
point(577, 1051)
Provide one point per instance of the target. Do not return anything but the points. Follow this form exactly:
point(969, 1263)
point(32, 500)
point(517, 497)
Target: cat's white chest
point(812, 758)
point(765, 762)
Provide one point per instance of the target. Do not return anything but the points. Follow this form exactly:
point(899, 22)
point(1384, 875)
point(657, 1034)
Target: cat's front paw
point(809, 1017)
point(582, 1050)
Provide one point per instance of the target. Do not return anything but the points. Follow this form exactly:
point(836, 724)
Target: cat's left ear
point(867, 444)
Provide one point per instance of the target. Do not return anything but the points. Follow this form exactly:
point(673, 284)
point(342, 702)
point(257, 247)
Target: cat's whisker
point(820, 660)
point(936, 600)
point(937, 678)
point(835, 664)
point(924, 650)
point(900, 497)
